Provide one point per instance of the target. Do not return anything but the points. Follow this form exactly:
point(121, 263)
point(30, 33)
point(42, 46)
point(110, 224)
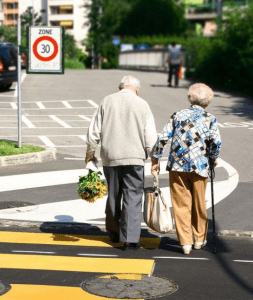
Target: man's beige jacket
point(125, 127)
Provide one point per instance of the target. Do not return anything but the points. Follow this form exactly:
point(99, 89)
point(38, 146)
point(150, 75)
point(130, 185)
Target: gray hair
point(200, 94)
point(129, 80)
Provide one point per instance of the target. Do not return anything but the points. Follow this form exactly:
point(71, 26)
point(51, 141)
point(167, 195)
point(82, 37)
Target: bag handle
point(155, 181)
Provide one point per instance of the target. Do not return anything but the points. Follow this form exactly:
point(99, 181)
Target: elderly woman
point(195, 145)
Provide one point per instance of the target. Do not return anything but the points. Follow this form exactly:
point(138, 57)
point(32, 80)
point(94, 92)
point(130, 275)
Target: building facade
point(72, 14)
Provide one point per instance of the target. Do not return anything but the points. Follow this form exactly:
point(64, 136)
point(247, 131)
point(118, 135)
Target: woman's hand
point(155, 166)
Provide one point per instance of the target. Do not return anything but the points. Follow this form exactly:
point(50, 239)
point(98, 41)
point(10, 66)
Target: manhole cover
point(4, 288)
point(130, 286)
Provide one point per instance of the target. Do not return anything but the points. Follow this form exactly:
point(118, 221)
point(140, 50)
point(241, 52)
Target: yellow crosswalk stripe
point(76, 264)
point(67, 239)
point(42, 292)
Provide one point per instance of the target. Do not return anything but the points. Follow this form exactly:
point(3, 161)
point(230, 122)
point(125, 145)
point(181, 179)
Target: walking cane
point(213, 216)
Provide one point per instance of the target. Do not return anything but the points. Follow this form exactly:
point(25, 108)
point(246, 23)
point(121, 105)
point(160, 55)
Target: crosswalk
point(15, 257)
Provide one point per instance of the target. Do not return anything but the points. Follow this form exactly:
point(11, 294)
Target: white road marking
point(23, 76)
point(42, 115)
point(46, 141)
point(85, 118)
point(40, 252)
point(106, 255)
point(50, 108)
point(171, 257)
point(66, 104)
point(83, 137)
point(27, 122)
point(40, 105)
point(13, 105)
point(93, 103)
point(245, 261)
point(60, 121)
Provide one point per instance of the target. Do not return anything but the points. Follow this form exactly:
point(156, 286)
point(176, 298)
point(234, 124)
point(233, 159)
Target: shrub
point(73, 63)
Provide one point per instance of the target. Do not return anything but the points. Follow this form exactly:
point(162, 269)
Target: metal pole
point(213, 216)
point(219, 13)
point(19, 87)
point(93, 58)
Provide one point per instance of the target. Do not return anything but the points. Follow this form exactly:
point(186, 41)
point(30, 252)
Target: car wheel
point(6, 86)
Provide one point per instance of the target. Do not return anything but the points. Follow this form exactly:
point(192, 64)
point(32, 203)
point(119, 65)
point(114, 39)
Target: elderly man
point(195, 147)
point(125, 126)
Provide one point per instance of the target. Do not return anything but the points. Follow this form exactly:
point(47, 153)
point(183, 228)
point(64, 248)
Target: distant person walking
point(175, 60)
point(125, 127)
point(195, 146)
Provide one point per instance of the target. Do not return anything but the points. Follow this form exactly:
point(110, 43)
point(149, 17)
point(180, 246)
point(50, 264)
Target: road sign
point(46, 47)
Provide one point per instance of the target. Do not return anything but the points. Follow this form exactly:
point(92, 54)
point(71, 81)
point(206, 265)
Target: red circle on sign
point(45, 38)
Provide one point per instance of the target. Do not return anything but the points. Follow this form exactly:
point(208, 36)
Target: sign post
point(46, 50)
point(19, 87)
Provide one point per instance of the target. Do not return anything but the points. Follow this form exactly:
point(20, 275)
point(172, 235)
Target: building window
point(62, 10)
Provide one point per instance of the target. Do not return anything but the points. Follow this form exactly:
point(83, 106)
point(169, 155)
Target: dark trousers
point(124, 203)
point(173, 69)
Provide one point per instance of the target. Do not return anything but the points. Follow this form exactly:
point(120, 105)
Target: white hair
point(200, 94)
point(129, 80)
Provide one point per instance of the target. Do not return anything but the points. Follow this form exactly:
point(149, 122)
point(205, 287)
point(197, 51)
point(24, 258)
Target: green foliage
point(91, 187)
point(149, 17)
point(70, 46)
point(227, 60)
point(10, 148)
point(28, 16)
point(73, 63)
point(10, 34)
point(111, 53)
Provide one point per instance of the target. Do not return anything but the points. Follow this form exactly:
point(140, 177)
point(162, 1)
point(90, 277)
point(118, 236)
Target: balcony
point(10, 11)
point(10, 1)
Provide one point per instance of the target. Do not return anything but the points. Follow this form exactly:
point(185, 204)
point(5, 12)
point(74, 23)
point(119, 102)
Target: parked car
point(8, 65)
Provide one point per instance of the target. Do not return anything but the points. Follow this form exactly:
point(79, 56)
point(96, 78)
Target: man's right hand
point(87, 159)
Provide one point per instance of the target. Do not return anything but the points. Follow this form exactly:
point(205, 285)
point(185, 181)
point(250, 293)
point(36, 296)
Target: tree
point(149, 17)
point(28, 16)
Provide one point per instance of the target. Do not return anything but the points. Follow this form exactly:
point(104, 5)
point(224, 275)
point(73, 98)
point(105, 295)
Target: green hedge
point(73, 63)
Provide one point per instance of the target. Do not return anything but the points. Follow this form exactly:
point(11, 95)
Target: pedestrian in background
point(175, 60)
point(195, 146)
point(125, 127)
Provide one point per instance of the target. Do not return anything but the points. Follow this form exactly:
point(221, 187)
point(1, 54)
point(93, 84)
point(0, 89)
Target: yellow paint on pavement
point(68, 239)
point(76, 264)
point(42, 292)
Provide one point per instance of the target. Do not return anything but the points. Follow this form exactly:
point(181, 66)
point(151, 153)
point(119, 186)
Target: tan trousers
point(189, 207)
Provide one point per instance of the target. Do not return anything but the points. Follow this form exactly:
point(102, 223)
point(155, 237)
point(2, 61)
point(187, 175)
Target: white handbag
point(156, 212)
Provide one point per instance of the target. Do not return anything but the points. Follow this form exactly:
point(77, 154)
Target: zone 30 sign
point(45, 50)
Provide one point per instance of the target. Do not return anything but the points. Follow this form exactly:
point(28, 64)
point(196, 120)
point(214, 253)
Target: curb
point(101, 228)
point(28, 158)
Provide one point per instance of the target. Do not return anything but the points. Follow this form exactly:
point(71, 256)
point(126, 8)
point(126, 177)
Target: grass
point(11, 148)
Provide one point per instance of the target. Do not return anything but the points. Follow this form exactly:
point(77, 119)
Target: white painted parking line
point(190, 258)
point(56, 108)
point(245, 261)
point(66, 104)
point(40, 105)
point(56, 119)
point(46, 141)
point(83, 137)
point(39, 252)
point(85, 118)
point(23, 76)
point(27, 122)
point(13, 105)
point(93, 103)
point(106, 255)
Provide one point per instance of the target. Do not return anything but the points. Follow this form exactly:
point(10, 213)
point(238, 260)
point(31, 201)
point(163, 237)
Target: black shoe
point(131, 246)
point(169, 85)
point(114, 236)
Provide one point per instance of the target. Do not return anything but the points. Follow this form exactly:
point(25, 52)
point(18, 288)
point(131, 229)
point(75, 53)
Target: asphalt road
point(57, 110)
point(226, 275)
